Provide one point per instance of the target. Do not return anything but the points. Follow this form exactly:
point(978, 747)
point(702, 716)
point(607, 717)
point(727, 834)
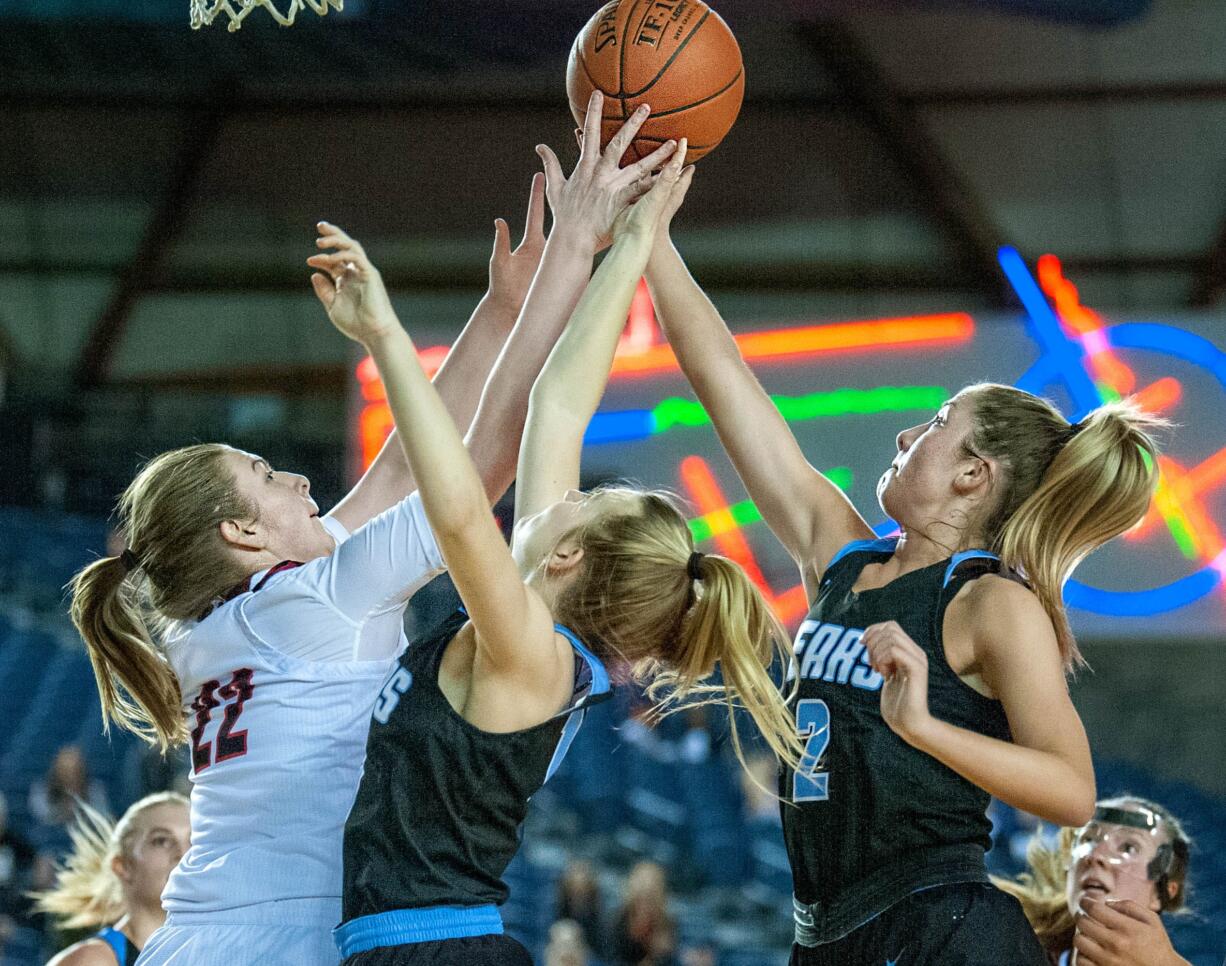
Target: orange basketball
point(677, 55)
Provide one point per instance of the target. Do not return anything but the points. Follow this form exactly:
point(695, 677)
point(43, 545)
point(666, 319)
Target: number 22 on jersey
point(813, 723)
point(229, 743)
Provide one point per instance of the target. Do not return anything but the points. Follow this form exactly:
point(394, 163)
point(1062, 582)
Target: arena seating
point(626, 791)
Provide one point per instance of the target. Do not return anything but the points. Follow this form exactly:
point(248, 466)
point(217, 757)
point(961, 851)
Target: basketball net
point(205, 11)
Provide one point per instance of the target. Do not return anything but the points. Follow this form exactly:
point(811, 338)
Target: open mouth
point(1094, 888)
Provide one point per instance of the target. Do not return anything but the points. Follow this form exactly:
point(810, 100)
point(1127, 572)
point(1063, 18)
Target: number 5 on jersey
point(813, 723)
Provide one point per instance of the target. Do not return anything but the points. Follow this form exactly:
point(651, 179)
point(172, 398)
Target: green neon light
point(841, 402)
point(1107, 393)
point(745, 512)
point(1181, 536)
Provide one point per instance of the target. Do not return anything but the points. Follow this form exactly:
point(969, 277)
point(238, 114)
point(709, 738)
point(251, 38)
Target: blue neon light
point(1142, 603)
point(1065, 355)
point(619, 426)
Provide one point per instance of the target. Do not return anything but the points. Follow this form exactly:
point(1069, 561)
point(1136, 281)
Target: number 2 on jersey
point(813, 723)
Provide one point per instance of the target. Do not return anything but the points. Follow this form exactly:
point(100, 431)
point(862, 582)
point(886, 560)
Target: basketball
point(677, 55)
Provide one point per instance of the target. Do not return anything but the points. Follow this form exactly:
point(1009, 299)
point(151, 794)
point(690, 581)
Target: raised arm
point(449, 487)
point(464, 372)
point(809, 515)
point(571, 384)
point(584, 207)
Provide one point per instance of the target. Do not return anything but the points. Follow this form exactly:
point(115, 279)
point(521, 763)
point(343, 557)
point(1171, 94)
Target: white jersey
point(278, 686)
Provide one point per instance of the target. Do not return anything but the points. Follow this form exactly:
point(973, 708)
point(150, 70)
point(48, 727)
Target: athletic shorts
point(239, 944)
point(489, 950)
point(966, 924)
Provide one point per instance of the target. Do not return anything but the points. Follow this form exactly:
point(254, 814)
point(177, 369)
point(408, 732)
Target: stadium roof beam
point(161, 231)
point(868, 92)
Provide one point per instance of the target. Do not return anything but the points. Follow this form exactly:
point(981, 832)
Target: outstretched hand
point(511, 272)
point(589, 201)
point(350, 287)
point(651, 214)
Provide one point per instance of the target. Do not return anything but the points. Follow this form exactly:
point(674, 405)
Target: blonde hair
point(170, 516)
point(87, 892)
point(634, 600)
point(1066, 490)
point(1042, 889)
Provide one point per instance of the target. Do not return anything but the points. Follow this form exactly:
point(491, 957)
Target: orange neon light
point(1063, 293)
point(913, 332)
point(1184, 488)
point(704, 490)
point(637, 356)
point(1159, 396)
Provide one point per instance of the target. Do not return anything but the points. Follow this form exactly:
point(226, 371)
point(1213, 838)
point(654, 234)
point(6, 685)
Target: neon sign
point(1078, 351)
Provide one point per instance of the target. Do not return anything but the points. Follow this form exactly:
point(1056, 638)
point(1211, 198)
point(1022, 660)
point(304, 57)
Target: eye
point(268, 476)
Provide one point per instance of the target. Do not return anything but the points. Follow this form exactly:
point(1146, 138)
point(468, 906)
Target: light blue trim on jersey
point(958, 558)
point(600, 677)
point(883, 545)
point(116, 940)
point(403, 926)
point(574, 721)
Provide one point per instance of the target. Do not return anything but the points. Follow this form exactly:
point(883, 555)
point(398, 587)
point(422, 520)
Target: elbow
point(1077, 806)
point(1082, 806)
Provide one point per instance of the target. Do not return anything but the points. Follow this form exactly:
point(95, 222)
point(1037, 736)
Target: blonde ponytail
point(137, 687)
point(87, 892)
point(732, 625)
point(175, 565)
point(637, 605)
point(1066, 491)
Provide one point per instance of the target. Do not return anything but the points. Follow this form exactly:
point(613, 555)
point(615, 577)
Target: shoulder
point(88, 952)
point(999, 603)
point(1012, 639)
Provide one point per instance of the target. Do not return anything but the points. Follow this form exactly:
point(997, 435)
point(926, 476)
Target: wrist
point(497, 310)
point(390, 339)
point(923, 733)
point(573, 238)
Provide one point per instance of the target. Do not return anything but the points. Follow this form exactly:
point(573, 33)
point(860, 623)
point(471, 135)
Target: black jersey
point(867, 818)
point(437, 815)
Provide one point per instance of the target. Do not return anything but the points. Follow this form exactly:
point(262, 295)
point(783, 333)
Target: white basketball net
point(205, 11)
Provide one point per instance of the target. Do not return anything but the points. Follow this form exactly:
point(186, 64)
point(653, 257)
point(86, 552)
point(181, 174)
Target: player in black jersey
point(477, 715)
point(931, 666)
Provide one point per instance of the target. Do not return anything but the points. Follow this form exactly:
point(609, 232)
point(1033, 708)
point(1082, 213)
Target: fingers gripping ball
point(677, 55)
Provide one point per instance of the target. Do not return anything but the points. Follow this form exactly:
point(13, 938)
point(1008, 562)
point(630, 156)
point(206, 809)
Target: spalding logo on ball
point(677, 55)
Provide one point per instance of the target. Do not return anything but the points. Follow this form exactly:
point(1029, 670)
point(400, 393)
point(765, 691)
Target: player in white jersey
point(275, 630)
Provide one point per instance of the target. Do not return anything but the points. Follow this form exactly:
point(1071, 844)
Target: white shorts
point(254, 936)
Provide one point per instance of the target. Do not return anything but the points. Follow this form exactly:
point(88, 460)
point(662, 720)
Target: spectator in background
point(566, 945)
point(645, 934)
point(114, 879)
point(579, 901)
point(54, 799)
point(16, 868)
point(1101, 889)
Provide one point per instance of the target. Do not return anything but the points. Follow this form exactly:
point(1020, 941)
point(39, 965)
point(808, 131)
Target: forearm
point(1038, 782)
point(496, 431)
point(459, 380)
point(451, 491)
point(573, 379)
point(468, 365)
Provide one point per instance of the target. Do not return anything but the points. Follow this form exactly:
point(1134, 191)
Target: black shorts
point(494, 950)
point(966, 924)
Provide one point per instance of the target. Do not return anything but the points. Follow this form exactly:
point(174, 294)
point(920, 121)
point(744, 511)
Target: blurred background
point(1027, 191)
